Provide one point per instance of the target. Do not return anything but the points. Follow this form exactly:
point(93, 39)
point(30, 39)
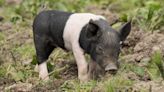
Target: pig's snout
point(111, 68)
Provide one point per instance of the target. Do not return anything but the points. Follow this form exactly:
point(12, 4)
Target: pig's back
point(50, 25)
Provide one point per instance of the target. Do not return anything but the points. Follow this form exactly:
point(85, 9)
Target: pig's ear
point(125, 30)
point(92, 30)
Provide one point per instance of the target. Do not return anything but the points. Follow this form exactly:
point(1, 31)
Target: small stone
point(144, 61)
point(1, 18)
point(13, 1)
point(155, 48)
point(27, 62)
point(36, 69)
point(23, 87)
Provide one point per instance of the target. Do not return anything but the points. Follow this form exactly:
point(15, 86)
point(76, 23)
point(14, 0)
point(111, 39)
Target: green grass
point(25, 51)
point(155, 68)
point(74, 85)
point(148, 15)
point(117, 83)
point(2, 37)
point(2, 72)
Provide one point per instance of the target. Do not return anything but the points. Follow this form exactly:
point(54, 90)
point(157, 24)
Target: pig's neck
point(83, 41)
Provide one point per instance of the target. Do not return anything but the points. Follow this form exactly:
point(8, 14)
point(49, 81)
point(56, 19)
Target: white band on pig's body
point(74, 25)
point(71, 35)
point(43, 72)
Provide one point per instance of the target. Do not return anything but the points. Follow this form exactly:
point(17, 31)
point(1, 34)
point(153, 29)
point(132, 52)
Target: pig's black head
point(102, 42)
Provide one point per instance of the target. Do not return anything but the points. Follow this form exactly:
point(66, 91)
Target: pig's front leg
point(81, 63)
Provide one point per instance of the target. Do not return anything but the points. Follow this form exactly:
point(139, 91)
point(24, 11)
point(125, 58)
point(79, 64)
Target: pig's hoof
point(84, 78)
point(45, 78)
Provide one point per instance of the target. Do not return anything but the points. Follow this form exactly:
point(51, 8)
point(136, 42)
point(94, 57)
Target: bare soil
point(138, 49)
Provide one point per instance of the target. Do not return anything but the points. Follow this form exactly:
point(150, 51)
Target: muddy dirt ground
point(137, 49)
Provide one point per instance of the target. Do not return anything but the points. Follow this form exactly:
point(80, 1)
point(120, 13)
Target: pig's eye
point(121, 42)
point(99, 50)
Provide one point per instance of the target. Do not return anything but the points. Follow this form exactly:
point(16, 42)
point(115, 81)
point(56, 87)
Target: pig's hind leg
point(43, 50)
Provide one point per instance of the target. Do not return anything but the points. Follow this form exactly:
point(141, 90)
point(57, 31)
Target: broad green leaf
point(139, 71)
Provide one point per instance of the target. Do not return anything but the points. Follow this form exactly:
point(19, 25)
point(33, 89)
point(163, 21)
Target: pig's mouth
point(106, 68)
point(113, 72)
point(95, 70)
point(111, 69)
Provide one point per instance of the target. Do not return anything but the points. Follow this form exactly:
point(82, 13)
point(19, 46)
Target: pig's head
point(103, 43)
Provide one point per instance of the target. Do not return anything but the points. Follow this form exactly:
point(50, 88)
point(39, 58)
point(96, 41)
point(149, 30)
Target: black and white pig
point(80, 33)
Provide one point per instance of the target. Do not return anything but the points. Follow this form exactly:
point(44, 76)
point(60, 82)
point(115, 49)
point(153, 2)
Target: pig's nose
point(111, 69)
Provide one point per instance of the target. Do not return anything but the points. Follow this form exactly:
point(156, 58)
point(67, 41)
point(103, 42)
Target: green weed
point(2, 71)
point(25, 51)
point(75, 86)
point(155, 68)
point(2, 37)
point(117, 83)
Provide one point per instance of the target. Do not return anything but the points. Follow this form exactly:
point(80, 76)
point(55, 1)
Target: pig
point(81, 33)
